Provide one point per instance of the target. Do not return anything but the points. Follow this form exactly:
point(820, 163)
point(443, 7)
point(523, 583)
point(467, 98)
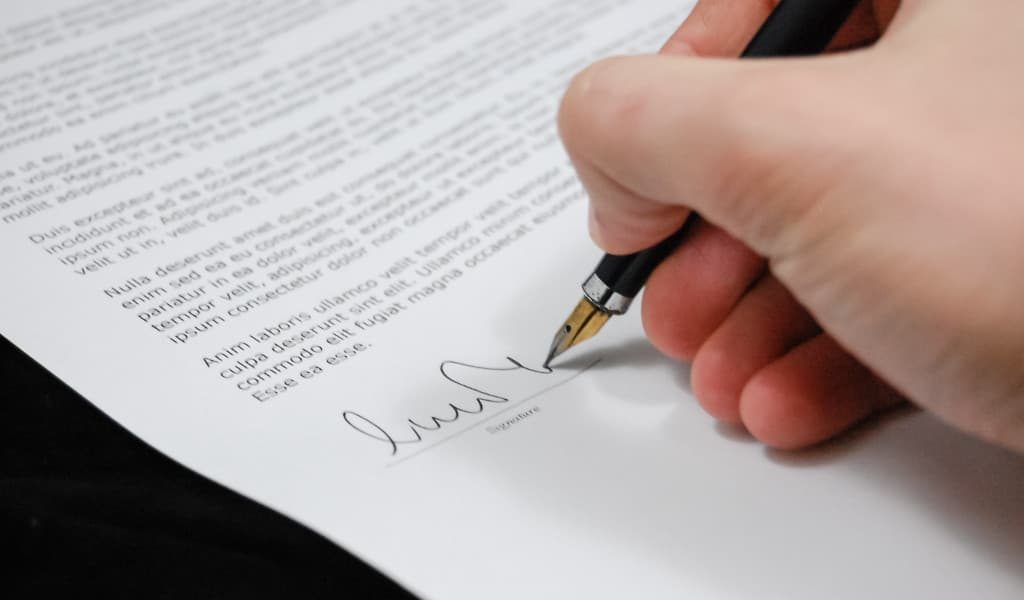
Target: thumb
point(753, 146)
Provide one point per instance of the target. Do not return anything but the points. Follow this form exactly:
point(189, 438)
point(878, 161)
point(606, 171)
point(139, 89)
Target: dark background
point(88, 509)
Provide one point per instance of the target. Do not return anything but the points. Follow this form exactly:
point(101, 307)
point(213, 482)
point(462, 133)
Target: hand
point(862, 238)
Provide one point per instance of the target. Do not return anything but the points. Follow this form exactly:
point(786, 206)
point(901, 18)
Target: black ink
point(375, 431)
point(413, 430)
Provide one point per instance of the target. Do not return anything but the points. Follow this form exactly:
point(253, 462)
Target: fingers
point(762, 328)
point(769, 367)
point(814, 392)
point(750, 145)
point(693, 291)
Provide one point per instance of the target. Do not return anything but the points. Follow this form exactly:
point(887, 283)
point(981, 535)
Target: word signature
point(412, 431)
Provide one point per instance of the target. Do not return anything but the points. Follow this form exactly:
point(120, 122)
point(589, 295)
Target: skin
point(861, 240)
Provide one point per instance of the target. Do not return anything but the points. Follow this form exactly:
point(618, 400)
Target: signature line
point(495, 415)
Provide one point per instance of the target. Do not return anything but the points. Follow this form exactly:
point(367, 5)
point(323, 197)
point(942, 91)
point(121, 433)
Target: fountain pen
point(794, 28)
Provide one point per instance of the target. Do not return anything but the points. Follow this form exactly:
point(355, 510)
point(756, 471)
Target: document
point(316, 249)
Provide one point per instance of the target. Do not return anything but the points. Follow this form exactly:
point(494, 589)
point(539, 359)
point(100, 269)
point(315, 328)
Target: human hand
point(863, 213)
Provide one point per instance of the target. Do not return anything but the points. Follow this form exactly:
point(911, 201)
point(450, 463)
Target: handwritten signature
point(413, 431)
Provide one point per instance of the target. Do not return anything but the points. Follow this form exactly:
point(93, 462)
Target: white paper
point(180, 178)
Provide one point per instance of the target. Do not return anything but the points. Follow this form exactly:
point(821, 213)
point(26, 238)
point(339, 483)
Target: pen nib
point(584, 322)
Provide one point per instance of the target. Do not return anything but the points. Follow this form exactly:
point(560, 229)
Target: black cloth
point(86, 509)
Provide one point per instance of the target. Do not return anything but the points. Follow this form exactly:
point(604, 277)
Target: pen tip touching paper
point(584, 323)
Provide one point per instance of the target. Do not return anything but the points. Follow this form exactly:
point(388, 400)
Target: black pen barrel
point(627, 274)
point(799, 28)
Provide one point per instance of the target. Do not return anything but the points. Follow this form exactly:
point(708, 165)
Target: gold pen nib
point(584, 322)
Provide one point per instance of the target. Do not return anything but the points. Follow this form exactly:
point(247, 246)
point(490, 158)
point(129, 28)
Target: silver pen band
point(604, 297)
